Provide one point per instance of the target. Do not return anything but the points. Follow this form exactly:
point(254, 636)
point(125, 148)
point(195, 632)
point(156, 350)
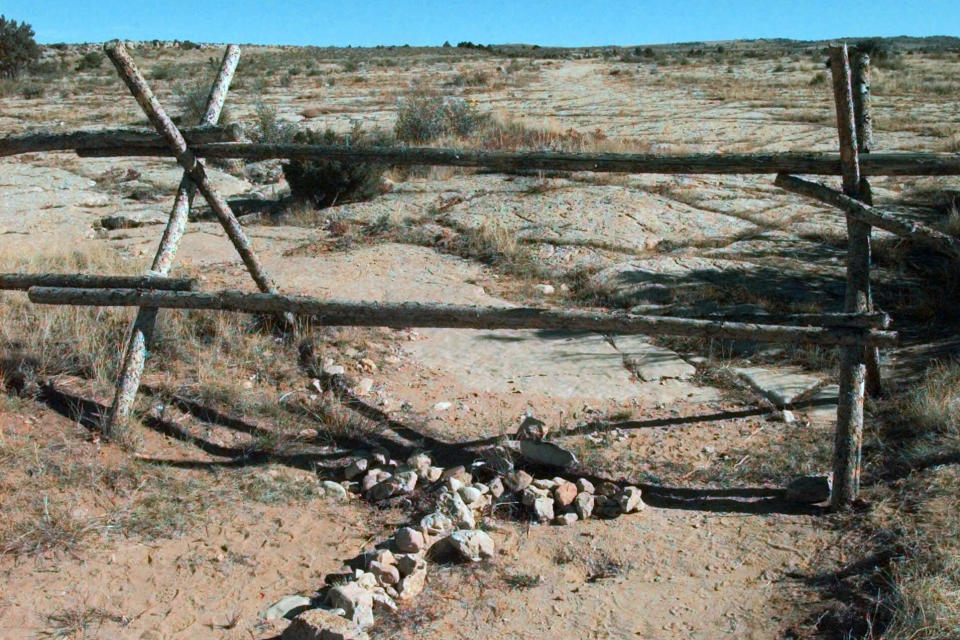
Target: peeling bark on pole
point(158, 117)
point(864, 121)
point(903, 227)
point(849, 433)
point(141, 331)
point(412, 314)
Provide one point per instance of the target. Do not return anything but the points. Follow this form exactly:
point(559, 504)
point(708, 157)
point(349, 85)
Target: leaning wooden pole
point(849, 433)
point(141, 331)
point(412, 314)
point(158, 117)
point(854, 208)
point(864, 121)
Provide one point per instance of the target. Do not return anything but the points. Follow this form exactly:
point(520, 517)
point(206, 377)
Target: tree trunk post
point(188, 160)
point(141, 331)
point(864, 119)
point(849, 432)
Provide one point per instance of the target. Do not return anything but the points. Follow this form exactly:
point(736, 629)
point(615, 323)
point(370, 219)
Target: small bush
point(324, 183)
point(90, 60)
point(269, 128)
point(163, 71)
point(18, 49)
point(32, 90)
point(422, 118)
point(193, 104)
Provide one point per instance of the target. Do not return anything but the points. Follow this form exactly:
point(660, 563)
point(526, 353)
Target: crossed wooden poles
point(194, 179)
point(858, 330)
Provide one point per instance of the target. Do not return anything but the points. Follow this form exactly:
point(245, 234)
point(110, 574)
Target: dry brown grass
point(80, 341)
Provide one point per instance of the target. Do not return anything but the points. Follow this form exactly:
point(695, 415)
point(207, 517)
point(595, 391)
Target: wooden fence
point(859, 330)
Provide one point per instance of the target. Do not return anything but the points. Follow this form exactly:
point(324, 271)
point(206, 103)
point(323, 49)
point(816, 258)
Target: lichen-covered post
point(849, 433)
point(864, 120)
point(188, 160)
point(131, 368)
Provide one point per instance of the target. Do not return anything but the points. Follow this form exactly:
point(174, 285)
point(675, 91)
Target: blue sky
point(430, 22)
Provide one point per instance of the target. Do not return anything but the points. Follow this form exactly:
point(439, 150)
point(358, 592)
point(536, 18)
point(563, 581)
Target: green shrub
point(193, 104)
point(269, 128)
point(421, 118)
point(90, 60)
point(32, 90)
point(324, 183)
point(18, 49)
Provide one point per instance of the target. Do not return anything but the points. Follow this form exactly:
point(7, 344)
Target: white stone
point(287, 607)
point(333, 489)
point(472, 545)
point(543, 509)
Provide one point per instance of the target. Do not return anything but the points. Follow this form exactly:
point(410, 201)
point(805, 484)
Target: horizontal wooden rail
point(811, 163)
point(408, 314)
point(868, 320)
point(113, 142)
point(23, 281)
point(857, 210)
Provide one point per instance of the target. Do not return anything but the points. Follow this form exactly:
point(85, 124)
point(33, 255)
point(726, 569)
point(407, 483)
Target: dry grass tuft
point(80, 341)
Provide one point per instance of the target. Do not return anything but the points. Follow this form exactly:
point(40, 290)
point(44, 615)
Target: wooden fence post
point(849, 433)
point(864, 119)
point(141, 331)
point(188, 160)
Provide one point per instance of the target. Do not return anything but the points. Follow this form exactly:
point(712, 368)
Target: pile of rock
point(396, 572)
point(561, 501)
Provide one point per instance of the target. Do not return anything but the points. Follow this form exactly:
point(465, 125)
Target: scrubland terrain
point(213, 505)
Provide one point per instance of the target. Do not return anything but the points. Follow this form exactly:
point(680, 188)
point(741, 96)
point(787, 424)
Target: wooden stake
point(141, 331)
point(849, 433)
point(412, 314)
point(864, 122)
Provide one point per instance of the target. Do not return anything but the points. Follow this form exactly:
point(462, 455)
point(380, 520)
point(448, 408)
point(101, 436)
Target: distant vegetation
point(18, 49)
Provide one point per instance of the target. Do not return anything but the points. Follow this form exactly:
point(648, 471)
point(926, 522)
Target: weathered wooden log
point(141, 330)
point(807, 163)
point(848, 436)
point(186, 158)
point(863, 114)
point(23, 281)
point(111, 141)
point(872, 320)
point(897, 225)
point(860, 77)
point(410, 314)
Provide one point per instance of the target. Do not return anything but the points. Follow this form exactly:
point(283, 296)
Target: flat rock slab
point(822, 405)
point(559, 364)
point(651, 363)
point(781, 387)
